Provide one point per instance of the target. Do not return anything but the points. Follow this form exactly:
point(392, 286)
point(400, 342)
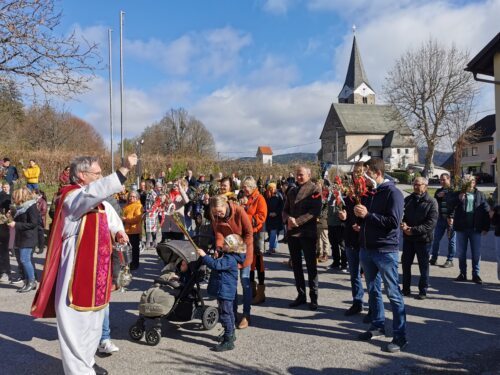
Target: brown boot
point(244, 322)
point(253, 285)
point(260, 296)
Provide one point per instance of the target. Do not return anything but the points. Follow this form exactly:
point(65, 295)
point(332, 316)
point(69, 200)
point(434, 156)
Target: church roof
point(369, 119)
point(355, 72)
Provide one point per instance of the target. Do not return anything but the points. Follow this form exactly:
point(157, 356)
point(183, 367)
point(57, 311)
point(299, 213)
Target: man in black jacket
point(469, 211)
point(302, 208)
point(419, 220)
point(442, 196)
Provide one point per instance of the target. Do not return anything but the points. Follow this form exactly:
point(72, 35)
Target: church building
point(356, 128)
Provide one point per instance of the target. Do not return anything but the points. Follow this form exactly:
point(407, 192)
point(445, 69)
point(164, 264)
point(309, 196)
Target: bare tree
point(178, 134)
point(429, 88)
point(461, 134)
point(32, 54)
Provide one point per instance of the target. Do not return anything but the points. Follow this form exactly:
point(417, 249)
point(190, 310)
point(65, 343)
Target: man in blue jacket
point(10, 173)
point(379, 246)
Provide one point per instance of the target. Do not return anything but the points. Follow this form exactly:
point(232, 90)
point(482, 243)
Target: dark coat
point(11, 174)
point(224, 278)
point(350, 235)
point(421, 214)
point(5, 200)
point(443, 202)
point(481, 220)
point(380, 228)
point(274, 205)
point(27, 228)
point(304, 204)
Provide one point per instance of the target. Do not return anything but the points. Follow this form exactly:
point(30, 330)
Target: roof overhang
point(482, 63)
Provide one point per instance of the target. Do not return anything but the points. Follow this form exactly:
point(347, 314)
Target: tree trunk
point(429, 155)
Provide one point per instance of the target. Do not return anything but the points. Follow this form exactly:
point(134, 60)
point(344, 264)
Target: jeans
point(226, 317)
point(421, 249)
point(386, 264)
point(247, 292)
point(441, 229)
point(297, 246)
point(273, 239)
point(356, 284)
point(497, 244)
point(336, 237)
point(474, 238)
point(25, 258)
point(32, 187)
point(106, 330)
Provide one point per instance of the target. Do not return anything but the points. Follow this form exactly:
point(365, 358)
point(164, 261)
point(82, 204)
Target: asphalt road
point(456, 330)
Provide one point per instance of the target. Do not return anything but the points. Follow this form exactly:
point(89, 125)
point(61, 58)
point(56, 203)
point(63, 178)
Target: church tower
point(356, 89)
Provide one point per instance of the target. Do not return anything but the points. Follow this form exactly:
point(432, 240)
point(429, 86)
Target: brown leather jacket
point(304, 204)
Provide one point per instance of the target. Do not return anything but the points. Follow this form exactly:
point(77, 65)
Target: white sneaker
point(4, 278)
point(107, 347)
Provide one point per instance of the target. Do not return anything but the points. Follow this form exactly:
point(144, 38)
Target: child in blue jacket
point(225, 272)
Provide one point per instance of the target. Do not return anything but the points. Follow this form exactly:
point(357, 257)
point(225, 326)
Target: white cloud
point(211, 52)
point(358, 10)
point(276, 6)
point(274, 71)
point(241, 118)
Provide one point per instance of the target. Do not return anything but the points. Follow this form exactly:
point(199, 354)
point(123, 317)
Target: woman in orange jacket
point(256, 209)
point(132, 220)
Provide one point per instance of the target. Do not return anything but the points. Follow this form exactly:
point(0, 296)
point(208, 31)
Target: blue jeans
point(273, 239)
point(32, 187)
point(106, 330)
point(247, 292)
point(356, 284)
point(226, 317)
point(25, 257)
point(386, 264)
point(474, 238)
point(441, 229)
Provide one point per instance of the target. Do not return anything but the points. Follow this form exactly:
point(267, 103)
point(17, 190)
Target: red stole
point(90, 284)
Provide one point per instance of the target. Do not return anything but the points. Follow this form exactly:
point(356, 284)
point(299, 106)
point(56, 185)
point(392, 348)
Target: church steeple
point(356, 89)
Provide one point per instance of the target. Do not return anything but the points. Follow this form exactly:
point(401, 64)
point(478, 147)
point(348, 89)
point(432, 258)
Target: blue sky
point(258, 72)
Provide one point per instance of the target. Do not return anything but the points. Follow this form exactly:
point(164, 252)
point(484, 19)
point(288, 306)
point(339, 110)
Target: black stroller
point(172, 298)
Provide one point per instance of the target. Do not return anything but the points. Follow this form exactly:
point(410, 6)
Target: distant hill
point(288, 158)
point(439, 156)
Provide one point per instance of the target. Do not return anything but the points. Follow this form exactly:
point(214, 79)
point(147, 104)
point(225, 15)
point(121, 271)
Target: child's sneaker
point(107, 347)
point(227, 344)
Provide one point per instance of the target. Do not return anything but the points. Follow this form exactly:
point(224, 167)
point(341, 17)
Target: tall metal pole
point(121, 83)
point(111, 100)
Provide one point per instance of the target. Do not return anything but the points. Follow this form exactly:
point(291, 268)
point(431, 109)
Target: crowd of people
point(358, 220)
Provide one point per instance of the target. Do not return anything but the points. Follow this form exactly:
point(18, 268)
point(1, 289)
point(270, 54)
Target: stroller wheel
point(136, 332)
point(153, 336)
point(210, 317)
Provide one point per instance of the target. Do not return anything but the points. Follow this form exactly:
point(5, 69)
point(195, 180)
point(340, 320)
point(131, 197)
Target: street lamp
point(138, 150)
